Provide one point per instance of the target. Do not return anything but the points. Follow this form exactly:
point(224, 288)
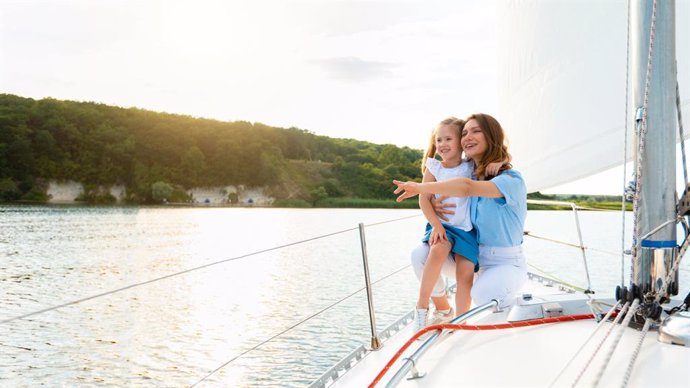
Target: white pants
point(502, 273)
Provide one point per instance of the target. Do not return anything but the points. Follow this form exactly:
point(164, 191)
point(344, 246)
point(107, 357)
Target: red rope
point(453, 326)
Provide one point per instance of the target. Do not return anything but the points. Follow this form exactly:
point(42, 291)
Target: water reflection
point(175, 331)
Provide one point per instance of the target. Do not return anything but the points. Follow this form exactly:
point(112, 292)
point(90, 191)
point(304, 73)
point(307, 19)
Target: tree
point(233, 198)
point(318, 194)
point(9, 190)
point(193, 166)
point(161, 191)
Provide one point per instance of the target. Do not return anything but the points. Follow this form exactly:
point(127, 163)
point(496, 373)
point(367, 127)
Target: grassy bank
point(347, 203)
point(583, 204)
point(391, 204)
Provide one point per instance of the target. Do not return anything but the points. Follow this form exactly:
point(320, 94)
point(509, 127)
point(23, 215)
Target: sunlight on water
point(176, 331)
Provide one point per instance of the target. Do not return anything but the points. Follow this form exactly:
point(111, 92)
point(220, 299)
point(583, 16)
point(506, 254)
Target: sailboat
point(564, 84)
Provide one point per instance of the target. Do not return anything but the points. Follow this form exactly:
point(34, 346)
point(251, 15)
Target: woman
point(498, 211)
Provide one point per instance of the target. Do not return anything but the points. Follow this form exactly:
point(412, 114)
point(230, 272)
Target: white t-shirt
point(461, 219)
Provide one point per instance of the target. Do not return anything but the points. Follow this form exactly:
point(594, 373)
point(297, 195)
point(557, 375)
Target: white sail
point(562, 70)
point(563, 106)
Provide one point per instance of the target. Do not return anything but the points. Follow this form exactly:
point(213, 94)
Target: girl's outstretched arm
point(457, 187)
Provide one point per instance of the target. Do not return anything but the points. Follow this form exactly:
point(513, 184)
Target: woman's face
point(473, 141)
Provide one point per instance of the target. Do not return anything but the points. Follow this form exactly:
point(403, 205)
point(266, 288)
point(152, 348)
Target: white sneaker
point(442, 316)
point(421, 319)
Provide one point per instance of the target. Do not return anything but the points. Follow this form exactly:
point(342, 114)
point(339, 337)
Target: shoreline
point(608, 206)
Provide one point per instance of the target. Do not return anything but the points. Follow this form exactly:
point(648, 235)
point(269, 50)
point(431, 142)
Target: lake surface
point(277, 318)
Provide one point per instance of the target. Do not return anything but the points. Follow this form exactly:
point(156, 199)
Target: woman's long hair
point(497, 151)
point(431, 150)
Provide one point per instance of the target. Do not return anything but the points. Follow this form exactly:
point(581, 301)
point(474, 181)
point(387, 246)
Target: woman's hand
point(408, 189)
point(442, 209)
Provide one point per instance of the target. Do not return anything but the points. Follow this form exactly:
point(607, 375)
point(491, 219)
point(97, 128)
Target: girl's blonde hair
point(431, 150)
point(496, 151)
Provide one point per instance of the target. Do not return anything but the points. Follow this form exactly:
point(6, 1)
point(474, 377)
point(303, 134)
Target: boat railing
point(375, 341)
point(410, 362)
point(581, 246)
point(334, 372)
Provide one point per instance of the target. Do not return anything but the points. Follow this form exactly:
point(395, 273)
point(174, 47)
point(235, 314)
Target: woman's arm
point(457, 187)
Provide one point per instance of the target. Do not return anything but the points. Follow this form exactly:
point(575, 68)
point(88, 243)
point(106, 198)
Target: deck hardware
point(675, 329)
point(410, 361)
point(552, 309)
point(414, 373)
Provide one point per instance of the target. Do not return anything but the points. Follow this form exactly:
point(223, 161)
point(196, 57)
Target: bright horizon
point(379, 71)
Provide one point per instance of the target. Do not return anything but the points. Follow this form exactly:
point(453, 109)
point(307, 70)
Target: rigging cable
point(680, 131)
point(633, 309)
point(102, 294)
point(625, 147)
point(596, 329)
point(636, 352)
point(620, 316)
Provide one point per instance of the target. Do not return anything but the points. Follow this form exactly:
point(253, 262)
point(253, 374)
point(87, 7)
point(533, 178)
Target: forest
point(100, 145)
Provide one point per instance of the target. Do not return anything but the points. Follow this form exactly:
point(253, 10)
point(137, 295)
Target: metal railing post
point(582, 247)
point(375, 341)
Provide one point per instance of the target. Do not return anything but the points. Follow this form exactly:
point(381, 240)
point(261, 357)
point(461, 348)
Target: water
point(176, 331)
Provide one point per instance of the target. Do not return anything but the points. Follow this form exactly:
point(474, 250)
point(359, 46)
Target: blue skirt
point(461, 242)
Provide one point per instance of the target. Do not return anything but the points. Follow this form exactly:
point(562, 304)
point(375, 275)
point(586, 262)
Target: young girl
point(455, 235)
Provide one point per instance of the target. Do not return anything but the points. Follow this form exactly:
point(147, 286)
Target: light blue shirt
point(500, 222)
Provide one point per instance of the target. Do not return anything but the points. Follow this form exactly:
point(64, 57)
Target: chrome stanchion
point(375, 341)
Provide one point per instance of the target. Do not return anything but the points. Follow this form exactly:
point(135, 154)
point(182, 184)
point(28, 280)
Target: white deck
point(530, 356)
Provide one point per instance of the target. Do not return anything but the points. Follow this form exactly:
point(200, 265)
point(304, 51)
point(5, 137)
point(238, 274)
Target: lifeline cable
point(557, 279)
point(530, 234)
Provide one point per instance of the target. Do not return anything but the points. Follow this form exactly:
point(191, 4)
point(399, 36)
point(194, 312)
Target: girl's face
point(473, 140)
point(448, 143)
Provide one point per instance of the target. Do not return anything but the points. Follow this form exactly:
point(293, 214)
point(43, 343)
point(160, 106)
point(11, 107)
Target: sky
point(381, 71)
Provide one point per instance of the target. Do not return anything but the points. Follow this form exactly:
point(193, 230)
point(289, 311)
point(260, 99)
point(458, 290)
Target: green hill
point(98, 145)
